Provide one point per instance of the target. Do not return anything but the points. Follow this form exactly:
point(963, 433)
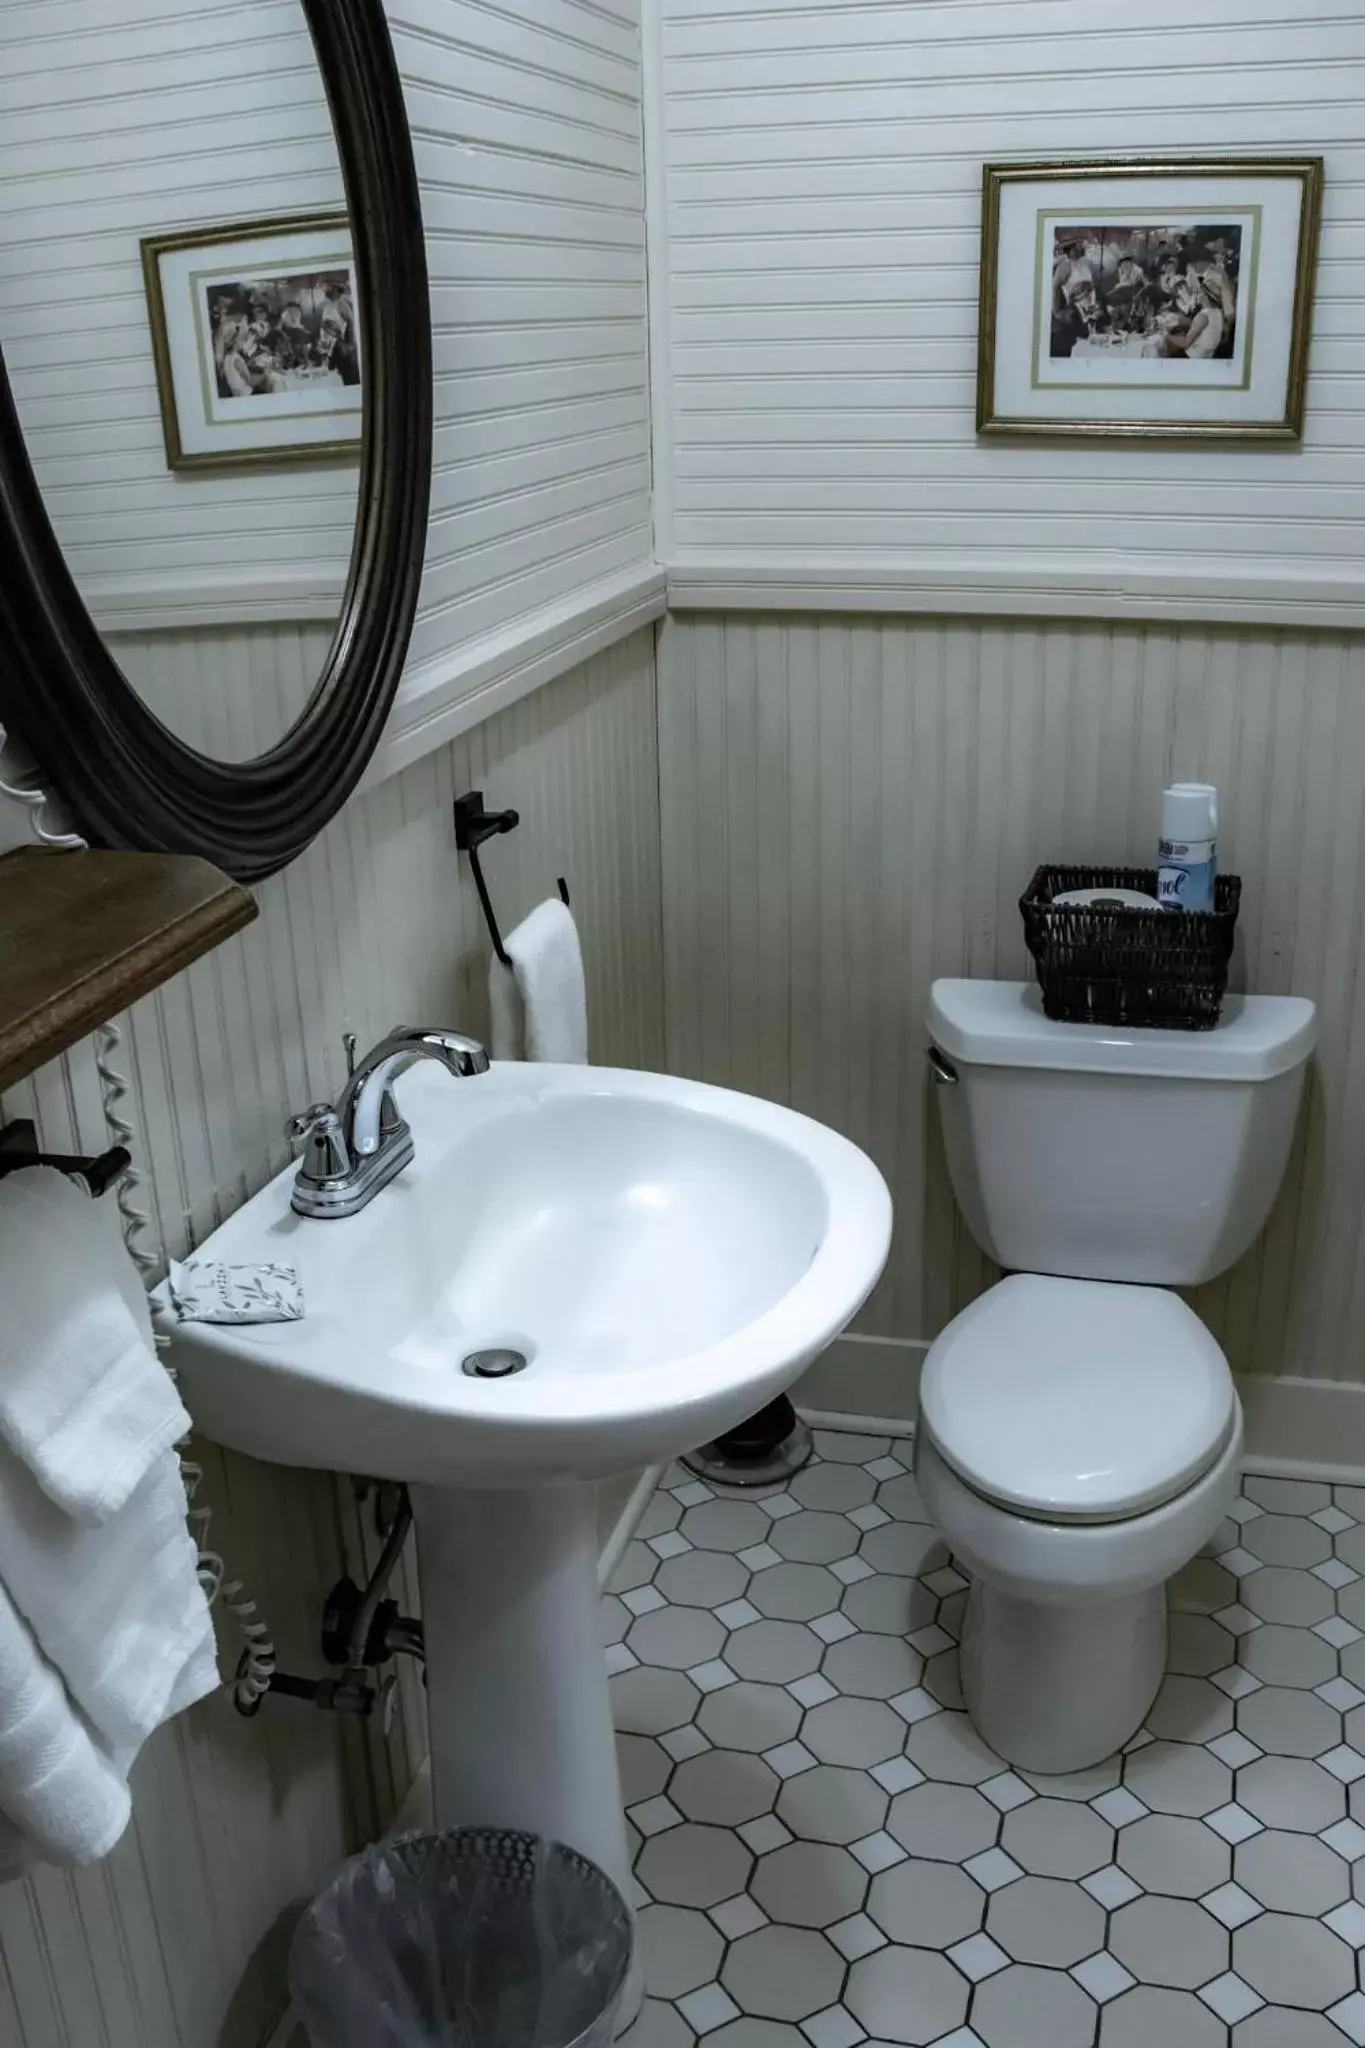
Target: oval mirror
point(215, 412)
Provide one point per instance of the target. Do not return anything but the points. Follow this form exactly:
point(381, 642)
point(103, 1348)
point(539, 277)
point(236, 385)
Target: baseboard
point(847, 1424)
point(862, 1380)
point(1299, 1428)
point(627, 1522)
point(1295, 1428)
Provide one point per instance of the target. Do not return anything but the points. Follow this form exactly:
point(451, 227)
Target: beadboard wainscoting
point(526, 122)
point(232, 691)
point(125, 118)
point(852, 806)
point(815, 201)
point(177, 1942)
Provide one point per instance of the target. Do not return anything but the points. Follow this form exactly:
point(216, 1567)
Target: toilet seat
point(1077, 1400)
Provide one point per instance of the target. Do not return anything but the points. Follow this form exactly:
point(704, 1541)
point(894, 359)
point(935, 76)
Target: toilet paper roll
point(1105, 899)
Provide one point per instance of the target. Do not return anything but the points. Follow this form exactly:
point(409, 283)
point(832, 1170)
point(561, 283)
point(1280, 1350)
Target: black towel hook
point(19, 1148)
point(473, 825)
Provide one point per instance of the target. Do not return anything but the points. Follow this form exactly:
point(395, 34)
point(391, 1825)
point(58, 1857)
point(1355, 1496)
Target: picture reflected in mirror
point(291, 333)
point(178, 313)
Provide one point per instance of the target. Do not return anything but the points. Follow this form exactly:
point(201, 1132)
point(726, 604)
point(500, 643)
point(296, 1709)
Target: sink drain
point(494, 1365)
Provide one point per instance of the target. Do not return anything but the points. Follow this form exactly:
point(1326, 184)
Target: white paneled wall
point(125, 118)
point(527, 124)
point(233, 692)
point(815, 285)
point(177, 1942)
point(853, 806)
point(121, 120)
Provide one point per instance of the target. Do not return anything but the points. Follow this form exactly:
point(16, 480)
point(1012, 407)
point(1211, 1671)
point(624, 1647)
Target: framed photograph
point(1148, 297)
point(256, 342)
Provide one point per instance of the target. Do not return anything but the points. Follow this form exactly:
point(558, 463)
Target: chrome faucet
point(354, 1148)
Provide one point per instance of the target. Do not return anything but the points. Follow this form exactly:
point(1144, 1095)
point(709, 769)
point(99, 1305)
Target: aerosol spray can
point(1189, 846)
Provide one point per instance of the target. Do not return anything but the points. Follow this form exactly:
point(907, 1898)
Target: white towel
point(117, 1610)
point(540, 1006)
point(84, 1401)
point(62, 1799)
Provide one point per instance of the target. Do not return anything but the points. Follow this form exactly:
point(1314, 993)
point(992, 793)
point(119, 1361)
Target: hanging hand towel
point(507, 1038)
point(84, 1401)
point(62, 1799)
point(540, 1006)
point(118, 1610)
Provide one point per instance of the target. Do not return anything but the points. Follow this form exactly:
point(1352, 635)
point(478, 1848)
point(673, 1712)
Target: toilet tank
point(1106, 1154)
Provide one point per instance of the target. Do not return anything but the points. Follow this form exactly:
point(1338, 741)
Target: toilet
point(1079, 1433)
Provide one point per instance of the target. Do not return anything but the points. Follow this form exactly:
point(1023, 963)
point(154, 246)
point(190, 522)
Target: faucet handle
point(326, 1155)
point(302, 1126)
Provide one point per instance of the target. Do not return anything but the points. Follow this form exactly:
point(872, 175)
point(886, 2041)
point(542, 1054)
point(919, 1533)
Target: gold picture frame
point(1064, 360)
point(294, 421)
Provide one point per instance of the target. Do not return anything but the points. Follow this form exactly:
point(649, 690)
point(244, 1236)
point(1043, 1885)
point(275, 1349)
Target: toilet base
point(1056, 1688)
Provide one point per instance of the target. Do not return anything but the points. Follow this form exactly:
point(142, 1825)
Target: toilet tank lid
point(1001, 1024)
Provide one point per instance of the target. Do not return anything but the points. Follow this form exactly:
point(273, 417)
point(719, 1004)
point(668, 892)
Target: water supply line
point(361, 1630)
point(399, 1530)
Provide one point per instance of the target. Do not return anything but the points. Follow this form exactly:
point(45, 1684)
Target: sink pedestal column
point(519, 1711)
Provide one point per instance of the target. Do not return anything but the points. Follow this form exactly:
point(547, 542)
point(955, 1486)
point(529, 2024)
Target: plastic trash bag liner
point(471, 1938)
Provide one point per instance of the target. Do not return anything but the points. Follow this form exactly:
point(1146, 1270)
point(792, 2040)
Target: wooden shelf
point(83, 935)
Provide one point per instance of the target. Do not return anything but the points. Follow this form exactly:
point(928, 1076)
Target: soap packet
point(212, 1291)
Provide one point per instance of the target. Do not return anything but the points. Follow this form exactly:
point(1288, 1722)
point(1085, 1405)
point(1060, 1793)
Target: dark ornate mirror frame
point(127, 780)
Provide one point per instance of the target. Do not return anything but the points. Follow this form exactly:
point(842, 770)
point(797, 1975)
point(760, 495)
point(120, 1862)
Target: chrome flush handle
point(942, 1069)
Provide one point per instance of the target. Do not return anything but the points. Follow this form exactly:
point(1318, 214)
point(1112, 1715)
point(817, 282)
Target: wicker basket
point(1159, 969)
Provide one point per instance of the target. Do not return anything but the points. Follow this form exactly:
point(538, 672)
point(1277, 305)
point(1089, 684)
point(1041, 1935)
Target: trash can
point(471, 1938)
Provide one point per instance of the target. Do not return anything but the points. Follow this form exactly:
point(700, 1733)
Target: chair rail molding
point(1001, 588)
point(460, 689)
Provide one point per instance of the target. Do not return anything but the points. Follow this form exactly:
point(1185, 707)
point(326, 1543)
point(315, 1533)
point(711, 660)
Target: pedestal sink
point(665, 1257)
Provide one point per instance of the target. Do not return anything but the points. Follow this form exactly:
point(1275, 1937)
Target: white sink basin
point(667, 1256)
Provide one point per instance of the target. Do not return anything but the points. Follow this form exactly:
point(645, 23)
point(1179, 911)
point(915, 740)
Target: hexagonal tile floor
point(827, 1854)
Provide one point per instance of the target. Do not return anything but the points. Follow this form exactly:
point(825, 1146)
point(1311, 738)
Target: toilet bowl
point(1077, 1444)
point(1079, 1434)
